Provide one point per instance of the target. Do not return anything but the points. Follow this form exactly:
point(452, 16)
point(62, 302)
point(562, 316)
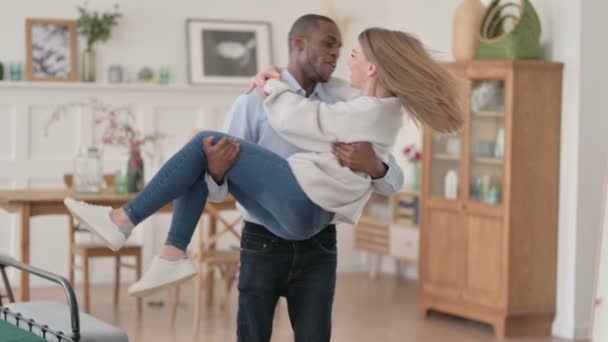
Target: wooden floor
point(381, 310)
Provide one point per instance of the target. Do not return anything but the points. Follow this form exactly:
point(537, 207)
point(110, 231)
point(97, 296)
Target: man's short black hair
point(304, 25)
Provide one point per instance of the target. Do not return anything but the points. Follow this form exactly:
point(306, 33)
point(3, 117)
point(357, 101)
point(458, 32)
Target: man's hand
point(360, 157)
point(260, 79)
point(220, 157)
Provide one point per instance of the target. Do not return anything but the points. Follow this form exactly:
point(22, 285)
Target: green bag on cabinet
point(522, 42)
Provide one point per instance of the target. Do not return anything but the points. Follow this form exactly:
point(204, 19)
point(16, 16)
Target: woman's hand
point(260, 79)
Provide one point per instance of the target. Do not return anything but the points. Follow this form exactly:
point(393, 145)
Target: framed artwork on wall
point(51, 50)
point(226, 51)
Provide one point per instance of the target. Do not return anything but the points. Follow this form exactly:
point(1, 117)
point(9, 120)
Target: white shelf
point(132, 86)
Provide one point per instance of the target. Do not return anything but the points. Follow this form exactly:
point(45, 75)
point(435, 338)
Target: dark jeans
point(304, 272)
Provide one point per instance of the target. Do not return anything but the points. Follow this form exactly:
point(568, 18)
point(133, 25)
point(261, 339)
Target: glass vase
point(88, 66)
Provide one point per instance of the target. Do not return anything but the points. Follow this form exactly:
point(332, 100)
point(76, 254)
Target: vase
point(467, 24)
point(135, 171)
point(416, 176)
point(1, 71)
point(88, 65)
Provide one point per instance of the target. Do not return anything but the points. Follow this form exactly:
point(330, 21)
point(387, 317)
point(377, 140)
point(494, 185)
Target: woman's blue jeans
point(260, 180)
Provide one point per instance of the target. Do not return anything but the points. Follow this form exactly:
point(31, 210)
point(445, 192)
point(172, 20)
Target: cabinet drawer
point(404, 242)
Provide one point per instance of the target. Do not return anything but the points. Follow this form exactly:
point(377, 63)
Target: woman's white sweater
point(314, 126)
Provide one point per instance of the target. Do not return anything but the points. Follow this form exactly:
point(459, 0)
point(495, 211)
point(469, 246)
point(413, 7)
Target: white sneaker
point(96, 218)
point(161, 274)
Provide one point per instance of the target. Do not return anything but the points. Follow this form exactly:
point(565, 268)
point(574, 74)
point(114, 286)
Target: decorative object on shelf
point(499, 147)
point(467, 23)
point(88, 171)
point(227, 51)
point(51, 50)
point(452, 146)
point(16, 71)
point(121, 184)
point(94, 26)
point(451, 184)
point(118, 128)
point(145, 74)
point(406, 210)
point(164, 75)
point(483, 148)
point(1, 71)
point(115, 74)
point(599, 330)
point(414, 157)
point(494, 195)
point(488, 96)
point(510, 30)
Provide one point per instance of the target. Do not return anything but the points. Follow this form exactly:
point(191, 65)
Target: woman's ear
point(372, 70)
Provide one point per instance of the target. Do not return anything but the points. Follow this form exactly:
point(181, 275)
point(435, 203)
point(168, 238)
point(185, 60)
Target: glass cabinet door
point(487, 141)
point(446, 151)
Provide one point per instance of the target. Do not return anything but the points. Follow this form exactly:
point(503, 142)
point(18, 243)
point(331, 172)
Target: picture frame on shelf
point(51, 50)
point(227, 51)
point(599, 331)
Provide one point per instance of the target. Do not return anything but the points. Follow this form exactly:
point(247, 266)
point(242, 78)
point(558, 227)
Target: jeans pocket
point(256, 243)
point(326, 245)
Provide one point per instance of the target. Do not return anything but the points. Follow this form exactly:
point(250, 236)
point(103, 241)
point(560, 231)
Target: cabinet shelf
point(489, 114)
point(488, 160)
point(446, 157)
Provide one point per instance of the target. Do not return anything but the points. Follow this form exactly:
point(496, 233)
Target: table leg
point(210, 273)
point(24, 287)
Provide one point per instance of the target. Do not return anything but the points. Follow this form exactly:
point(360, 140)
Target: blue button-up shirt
point(247, 120)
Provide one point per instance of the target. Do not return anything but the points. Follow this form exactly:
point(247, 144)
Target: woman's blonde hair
point(427, 90)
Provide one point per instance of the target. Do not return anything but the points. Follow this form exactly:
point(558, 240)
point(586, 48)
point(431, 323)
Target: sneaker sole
point(151, 290)
point(90, 228)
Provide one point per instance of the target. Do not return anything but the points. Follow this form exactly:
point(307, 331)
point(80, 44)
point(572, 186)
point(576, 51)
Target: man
point(304, 272)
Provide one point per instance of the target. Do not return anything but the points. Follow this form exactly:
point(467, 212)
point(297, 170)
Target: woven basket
point(523, 42)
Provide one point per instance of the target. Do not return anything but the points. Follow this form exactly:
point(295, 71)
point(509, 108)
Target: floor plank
point(383, 310)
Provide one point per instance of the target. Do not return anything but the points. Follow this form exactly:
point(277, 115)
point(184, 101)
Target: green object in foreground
point(523, 42)
point(10, 333)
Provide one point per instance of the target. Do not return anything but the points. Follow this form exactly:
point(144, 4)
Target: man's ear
point(299, 43)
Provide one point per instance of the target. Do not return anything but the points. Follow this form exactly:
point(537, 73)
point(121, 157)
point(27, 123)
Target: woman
point(297, 197)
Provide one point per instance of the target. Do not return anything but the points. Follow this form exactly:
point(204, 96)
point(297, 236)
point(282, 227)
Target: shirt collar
point(318, 92)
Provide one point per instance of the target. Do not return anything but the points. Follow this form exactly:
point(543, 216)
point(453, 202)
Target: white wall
point(592, 151)
point(154, 35)
point(152, 32)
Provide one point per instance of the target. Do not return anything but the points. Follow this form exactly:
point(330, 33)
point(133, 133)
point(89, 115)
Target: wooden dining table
point(30, 203)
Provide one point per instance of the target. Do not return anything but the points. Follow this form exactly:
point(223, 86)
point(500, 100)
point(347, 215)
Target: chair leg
point(72, 266)
point(7, 286)
point(117, 281)
point(174, 304)
point(138, 266)
point(198, 289)
point(87, 289)
point(230, 278)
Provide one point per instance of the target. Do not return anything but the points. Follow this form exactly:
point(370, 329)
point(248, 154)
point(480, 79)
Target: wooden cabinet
point(488, 247)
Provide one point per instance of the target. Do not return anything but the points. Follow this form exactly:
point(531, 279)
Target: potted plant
point(118, 128)
point(94, 27)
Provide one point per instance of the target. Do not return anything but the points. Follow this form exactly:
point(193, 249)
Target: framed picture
point(51, 50)
point(227, 51)
point(599, 328)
